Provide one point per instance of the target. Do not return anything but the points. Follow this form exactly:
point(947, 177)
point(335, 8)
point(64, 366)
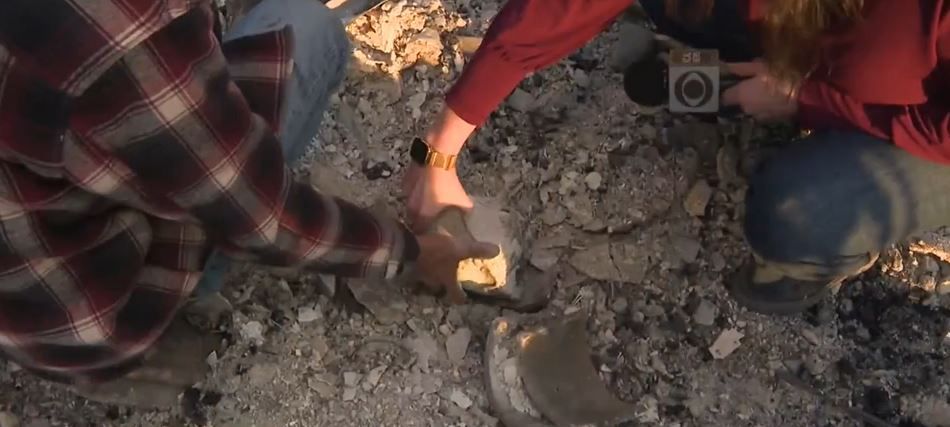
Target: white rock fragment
point(349, 394)
point(461, 399)
point(705, 313)
point(728, 342)
point(253, 331)
point(308, 314)
point(593, 180)
point(456, 346)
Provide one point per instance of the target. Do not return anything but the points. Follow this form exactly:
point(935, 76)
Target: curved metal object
point(561, 381)
point(502, 329)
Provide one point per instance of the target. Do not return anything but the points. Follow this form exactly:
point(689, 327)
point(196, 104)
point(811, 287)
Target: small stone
point(468, 45)
point(687, 248)
point(456, 346)
point(619, 305)
point(307, 315)
point(698, 198)
point(461, 399)
point(521, 101)
point(253, 331)
point(726, 344)
point(727, 164)
point(593, 180)
point(717, 262)
point(810, 336)
point(349, 394)
point(351, 379)
point(705, 313)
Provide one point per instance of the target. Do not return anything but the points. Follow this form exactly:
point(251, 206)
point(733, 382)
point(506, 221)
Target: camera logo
point(694, 81)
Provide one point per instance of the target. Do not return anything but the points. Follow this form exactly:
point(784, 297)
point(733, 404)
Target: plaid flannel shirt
point(131, 143)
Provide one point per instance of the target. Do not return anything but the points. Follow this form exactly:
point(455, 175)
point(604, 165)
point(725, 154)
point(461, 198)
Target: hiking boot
point(763, 289)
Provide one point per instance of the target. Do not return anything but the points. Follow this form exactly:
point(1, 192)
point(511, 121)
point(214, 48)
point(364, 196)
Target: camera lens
point(694, 89)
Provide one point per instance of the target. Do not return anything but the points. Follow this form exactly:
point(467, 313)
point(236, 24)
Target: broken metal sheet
point(561, 381)
point(502, 330)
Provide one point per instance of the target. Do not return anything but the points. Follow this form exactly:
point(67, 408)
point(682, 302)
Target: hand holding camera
point(696, 81)
point(760, 95)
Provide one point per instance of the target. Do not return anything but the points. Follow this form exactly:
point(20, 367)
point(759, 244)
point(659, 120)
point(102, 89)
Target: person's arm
point(171, 115)
point(525, 36)
point(923, 129)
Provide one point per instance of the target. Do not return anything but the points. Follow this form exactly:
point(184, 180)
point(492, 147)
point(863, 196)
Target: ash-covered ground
point(636, 214)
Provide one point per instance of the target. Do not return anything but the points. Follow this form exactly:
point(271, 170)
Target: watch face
point(418, 151)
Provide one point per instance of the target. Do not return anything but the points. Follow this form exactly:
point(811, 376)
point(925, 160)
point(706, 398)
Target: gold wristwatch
point(424, 155)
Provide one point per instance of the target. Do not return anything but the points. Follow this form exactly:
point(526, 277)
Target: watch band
point(424, 155)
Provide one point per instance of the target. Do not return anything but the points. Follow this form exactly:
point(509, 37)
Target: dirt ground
point(579, 166)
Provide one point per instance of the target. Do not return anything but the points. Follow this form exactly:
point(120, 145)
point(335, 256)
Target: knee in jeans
point(779, 224)
point(320, 39)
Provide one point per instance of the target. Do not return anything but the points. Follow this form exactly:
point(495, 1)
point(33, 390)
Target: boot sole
point(780, 308)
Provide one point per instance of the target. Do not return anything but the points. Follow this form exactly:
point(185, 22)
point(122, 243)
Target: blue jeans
point(822, 205)
point(321, 52)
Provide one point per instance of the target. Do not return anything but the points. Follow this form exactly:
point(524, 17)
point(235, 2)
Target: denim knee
point(787, 216)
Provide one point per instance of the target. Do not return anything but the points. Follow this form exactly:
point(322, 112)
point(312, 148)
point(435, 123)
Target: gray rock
point(698, 198)
point(705, 313)
point(456, 346)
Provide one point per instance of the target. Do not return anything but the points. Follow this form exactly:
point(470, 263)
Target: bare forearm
point(449, 132)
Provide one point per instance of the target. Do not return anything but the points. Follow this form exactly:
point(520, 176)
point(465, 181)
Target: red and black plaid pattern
point(131, 143)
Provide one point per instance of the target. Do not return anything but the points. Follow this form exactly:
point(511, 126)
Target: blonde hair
point(792, 30)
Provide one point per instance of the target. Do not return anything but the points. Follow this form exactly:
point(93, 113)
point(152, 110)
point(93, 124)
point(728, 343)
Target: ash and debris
point(635, 212)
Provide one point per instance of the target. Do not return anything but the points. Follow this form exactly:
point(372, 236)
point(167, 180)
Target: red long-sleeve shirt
point(888, 76)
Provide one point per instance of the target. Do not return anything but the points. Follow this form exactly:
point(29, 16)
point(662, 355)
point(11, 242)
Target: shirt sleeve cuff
point(487, 80)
